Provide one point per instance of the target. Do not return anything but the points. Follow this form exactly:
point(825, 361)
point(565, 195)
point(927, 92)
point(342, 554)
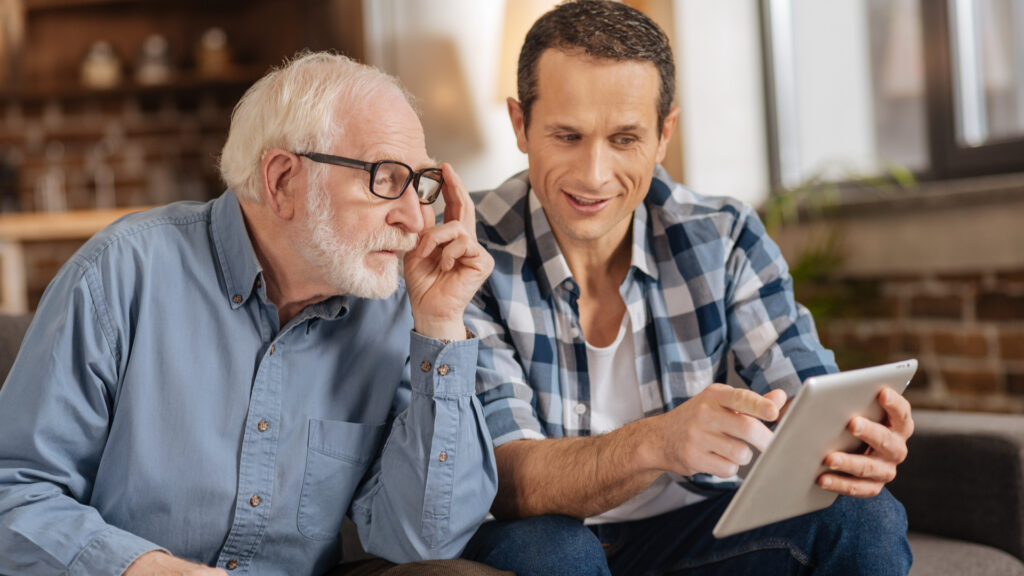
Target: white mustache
point(391, 239)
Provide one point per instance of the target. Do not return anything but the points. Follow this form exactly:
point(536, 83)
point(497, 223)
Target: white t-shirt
point(615, 402)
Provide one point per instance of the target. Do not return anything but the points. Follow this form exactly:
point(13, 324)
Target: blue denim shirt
point(157, 404)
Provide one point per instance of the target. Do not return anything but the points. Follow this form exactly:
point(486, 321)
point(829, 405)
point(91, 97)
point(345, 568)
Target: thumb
point(777, 397)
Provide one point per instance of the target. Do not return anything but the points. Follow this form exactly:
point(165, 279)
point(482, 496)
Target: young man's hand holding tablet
point(814, 455)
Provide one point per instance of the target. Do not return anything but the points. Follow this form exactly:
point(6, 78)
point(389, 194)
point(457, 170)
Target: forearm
point(578, 477)
point(437, 477)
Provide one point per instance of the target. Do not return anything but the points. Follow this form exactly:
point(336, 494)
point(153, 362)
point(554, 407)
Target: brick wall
point(966, 330)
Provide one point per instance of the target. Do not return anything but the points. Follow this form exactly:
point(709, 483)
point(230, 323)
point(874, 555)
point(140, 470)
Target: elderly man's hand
point(864, 475)
point(448, 265)
point(158, 563)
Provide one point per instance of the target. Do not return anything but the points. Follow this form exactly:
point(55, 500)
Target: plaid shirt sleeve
point(771, 335)
point(506, 397)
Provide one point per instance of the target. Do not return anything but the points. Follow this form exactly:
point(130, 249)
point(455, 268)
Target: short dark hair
point(601, 29)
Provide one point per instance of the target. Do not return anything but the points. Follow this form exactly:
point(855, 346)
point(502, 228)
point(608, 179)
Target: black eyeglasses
point(388, 178)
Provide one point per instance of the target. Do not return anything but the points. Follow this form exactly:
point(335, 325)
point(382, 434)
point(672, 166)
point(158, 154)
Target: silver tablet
point(782, 483)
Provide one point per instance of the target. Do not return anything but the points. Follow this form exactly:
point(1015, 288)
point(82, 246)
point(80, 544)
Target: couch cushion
point(936, 555)
point(12, 330)
point(964, 478)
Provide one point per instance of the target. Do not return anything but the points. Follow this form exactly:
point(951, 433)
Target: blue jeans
point(853, 536)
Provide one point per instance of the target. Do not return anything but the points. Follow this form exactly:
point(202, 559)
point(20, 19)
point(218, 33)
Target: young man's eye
point(625, 140)
point(569, 137)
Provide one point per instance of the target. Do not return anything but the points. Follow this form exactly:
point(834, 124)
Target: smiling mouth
point(587, 204)
point(585, 201)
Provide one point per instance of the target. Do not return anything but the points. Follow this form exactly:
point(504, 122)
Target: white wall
point(458, 42)
point(720, 87)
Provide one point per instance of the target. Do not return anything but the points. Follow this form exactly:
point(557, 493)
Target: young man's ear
point(668, 127)
point(283, 179)
point(515, 114)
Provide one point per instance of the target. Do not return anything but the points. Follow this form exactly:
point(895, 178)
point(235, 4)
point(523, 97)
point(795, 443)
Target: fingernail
point(837, 461)
point(826, 482)
point(858, 427)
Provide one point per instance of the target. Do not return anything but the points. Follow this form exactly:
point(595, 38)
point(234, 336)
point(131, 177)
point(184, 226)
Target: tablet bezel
point(782, 483)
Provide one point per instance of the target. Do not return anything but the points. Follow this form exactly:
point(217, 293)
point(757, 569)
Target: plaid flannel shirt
point(705, 280)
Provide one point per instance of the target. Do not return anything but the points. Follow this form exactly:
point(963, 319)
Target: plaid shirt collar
point(554, 270)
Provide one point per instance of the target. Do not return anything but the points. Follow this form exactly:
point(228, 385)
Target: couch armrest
point(964, 478)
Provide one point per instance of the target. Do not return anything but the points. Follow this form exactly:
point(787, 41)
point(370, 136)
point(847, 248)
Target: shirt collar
point(643, 255)
point(235, 253)
point(242, 270)
point(554, 270)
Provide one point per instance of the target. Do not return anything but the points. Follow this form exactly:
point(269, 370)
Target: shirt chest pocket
point(337, 456)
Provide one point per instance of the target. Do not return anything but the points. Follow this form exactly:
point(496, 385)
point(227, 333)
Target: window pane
point(987, 61)
point(857, 90)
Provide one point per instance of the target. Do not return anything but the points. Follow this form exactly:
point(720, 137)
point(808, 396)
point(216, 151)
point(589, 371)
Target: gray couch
point(962, 485)
point(962, 488)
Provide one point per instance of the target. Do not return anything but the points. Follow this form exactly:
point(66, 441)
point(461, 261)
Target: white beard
point(342, 260)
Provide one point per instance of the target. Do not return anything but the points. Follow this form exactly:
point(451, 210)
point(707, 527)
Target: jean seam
point(761, 545)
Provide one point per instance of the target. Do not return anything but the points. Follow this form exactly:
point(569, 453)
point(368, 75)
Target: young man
point(211, 388)
point(618, 297)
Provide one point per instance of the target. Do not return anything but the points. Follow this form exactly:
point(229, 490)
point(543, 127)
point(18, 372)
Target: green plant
point(816, 267)
point(823, 189)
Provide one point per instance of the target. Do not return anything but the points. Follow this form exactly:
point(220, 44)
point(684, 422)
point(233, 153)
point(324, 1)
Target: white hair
point(294, 107)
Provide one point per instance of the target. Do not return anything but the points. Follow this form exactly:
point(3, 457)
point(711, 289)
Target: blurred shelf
point(32, 5)
point(42, 5)
point(18, 229)
point(68, 225)
point(239, 77)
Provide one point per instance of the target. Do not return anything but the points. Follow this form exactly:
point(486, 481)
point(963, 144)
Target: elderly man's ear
point(284, 181)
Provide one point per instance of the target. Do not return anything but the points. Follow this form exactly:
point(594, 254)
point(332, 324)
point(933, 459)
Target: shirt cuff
point(112, 552)
point(445, 369)
point(520, 434)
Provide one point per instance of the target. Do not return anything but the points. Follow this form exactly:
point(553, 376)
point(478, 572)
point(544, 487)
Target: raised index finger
point(750, 403)
point(457, 204)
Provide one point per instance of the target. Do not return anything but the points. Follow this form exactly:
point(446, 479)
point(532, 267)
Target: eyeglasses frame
point(372, 167)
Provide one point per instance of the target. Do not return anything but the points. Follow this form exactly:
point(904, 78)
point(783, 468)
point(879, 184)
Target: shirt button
point(581, 409)
point(575, 332)
point(443, 369)
point(255, 501)
point(231, 565)
point(425, 366)
point(259, 283)
point(271, 349)
point(237, 298)
point(443, 456)
point(263, 425)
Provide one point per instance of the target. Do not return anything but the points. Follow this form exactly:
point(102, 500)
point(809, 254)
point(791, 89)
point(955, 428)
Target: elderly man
point(617, 300)
point(218, 385)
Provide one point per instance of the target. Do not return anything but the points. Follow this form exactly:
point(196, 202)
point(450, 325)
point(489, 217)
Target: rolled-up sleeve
point(55, 411)
point(507, 398)
point(436, 477)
